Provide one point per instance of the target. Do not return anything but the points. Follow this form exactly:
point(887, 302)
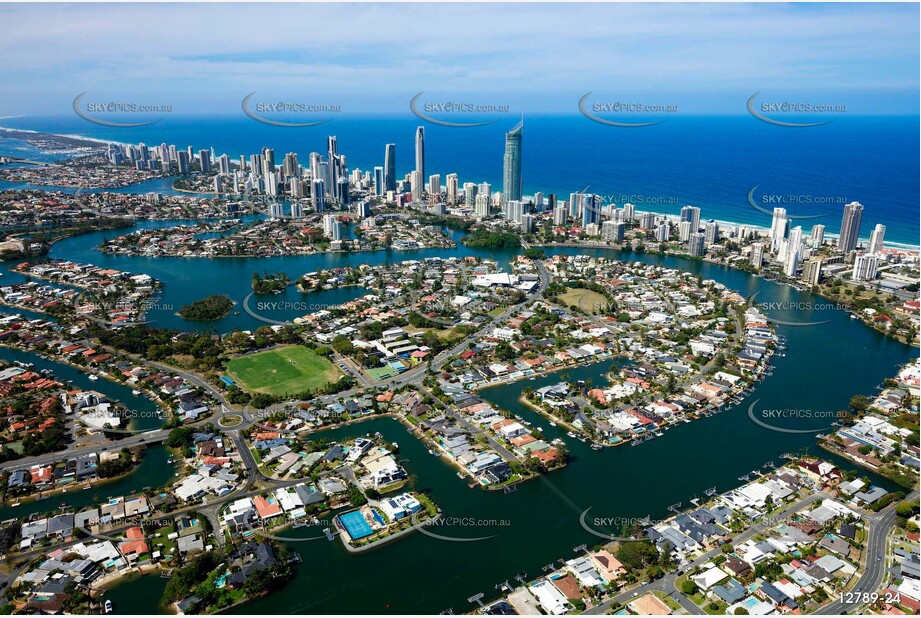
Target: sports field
point(288, 370)
point(586, 300)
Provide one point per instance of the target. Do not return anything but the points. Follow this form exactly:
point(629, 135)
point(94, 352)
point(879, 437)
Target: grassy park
point(289, 369)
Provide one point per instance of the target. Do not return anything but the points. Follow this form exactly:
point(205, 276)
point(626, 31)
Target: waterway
point(823, 367)
point(154, 470)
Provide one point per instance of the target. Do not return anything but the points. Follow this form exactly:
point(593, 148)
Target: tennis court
point(355, 525)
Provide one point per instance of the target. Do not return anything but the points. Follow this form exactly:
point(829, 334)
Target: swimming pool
point(355, 525)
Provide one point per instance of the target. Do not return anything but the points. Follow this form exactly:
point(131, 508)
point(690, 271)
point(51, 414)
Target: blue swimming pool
point(355, 524)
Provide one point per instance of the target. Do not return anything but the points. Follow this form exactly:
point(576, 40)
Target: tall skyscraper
point(812, 271)
point(420, 151)
point(613, 231)
point(514, 211)
point(276, 210)
point(331, 227)
point(332, 166)
point(416, 184)
point(865, 266)
point(850, 227)
point(711, 232)
point(757, 256)
point(451, 189)
point(482, 206)
point(818, 236)
point(560, 215)
point(390, 167)
point(696, 244)
point(876, 238)
point(318, 193)
point(435, 184)
point(662, 232)
point(511, 164)
point(204, 159)
point(795, 242)
point(470, 195)
point(780, 227)
point(379, 181)
point(591, 209)
point(268, 158)
point(630, 213)
point(692, 215)
point(291, 167)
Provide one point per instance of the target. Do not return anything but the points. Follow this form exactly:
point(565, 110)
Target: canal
point(823, 367)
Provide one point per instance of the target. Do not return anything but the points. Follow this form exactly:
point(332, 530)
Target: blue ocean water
point(708, 161)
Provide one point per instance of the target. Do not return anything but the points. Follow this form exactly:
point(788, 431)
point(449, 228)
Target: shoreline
point(670, 216)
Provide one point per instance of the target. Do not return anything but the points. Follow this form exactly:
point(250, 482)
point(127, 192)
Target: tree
point(688, 587)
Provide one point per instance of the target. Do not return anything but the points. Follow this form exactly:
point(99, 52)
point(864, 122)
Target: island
point(210, 308)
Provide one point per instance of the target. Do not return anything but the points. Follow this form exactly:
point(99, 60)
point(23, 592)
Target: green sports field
point(287, 370)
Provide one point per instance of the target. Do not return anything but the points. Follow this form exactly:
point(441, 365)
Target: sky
point(539, 58)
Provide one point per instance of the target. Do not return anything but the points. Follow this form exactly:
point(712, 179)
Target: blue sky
point(537, 58)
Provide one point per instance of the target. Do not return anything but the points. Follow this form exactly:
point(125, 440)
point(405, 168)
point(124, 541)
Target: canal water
point(823, 367)
point(154, 470)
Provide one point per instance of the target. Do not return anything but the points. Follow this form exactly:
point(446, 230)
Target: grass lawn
point(290, 369)
point(672, 603)
point(586, 300)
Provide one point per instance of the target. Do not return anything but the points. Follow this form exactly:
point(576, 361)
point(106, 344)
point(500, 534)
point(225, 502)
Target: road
point(871, 579)
point(667, 583)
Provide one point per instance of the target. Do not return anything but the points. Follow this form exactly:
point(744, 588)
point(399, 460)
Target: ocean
point(712, 162)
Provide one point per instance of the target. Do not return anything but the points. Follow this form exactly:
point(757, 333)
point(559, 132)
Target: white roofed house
point(382, 468)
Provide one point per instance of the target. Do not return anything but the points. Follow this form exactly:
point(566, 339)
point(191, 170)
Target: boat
point(299, 524)
point(570, 434)
point(93, 378)
point(636, 442)
point(552, 424)
point(135, 392)
point(460, 475)
point(431, 452)
point(596, 447)
point(107, 606)
point(659, 434)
